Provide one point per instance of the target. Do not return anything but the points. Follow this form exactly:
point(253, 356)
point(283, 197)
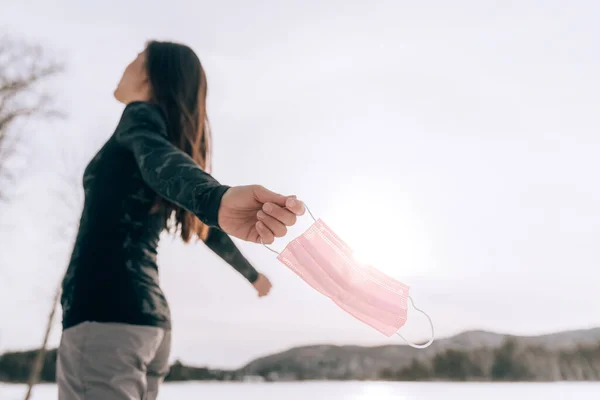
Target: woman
point(150, 175)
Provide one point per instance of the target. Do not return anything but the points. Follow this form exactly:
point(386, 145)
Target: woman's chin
point(117, 95)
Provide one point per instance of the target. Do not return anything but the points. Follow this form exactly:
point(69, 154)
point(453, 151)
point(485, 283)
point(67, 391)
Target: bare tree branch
point(70, 200)
point(36, 370)
point(24, 69)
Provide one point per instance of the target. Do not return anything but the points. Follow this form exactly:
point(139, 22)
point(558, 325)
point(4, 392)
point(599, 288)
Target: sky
point(452, 144)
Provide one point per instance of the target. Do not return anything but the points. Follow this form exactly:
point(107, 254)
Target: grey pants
point(110, 361)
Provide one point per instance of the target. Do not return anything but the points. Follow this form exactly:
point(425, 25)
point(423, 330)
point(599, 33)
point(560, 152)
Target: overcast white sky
point(454, 144)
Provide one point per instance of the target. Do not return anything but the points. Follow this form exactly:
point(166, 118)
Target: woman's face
point(134, 84)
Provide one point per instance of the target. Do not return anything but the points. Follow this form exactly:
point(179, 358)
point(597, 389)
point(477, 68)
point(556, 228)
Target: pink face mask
point(326, 263)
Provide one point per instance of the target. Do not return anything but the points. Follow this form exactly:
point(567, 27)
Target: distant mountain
point(474, 355)
point(553, 341)
point(469, 355)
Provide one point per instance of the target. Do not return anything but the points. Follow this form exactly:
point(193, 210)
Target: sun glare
point(388, 237)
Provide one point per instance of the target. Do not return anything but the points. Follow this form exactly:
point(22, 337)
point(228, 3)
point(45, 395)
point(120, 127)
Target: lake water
point(351, 391)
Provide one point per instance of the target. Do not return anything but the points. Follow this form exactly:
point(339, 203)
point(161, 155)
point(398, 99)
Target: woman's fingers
point(276, 216)
point(266, 236)
point(295, 205)
point(283, 215)
point(273, 224)
point(264, 195)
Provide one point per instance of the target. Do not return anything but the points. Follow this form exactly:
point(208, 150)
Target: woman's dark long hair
point(178, 85)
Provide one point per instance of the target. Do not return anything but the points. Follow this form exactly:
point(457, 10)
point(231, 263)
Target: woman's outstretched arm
point(222, 245)
point(166, 169)
point(174, 175)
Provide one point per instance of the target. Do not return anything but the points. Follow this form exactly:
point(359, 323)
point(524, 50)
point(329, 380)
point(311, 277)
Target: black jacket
point(113, 275)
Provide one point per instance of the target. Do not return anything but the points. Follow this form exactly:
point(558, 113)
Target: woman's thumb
point(264, 195)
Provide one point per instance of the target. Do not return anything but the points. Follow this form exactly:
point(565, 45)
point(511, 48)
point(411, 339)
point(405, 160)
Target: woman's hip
point(101, 360)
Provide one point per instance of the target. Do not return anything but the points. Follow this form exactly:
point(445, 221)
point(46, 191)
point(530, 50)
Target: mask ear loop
point(275, 251)
point(420, 346)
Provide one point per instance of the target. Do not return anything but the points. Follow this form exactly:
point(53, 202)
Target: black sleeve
point(166, 169)
point(222, 245)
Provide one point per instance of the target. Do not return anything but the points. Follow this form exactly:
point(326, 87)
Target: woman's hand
point(262, 285)
point(254, 213)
